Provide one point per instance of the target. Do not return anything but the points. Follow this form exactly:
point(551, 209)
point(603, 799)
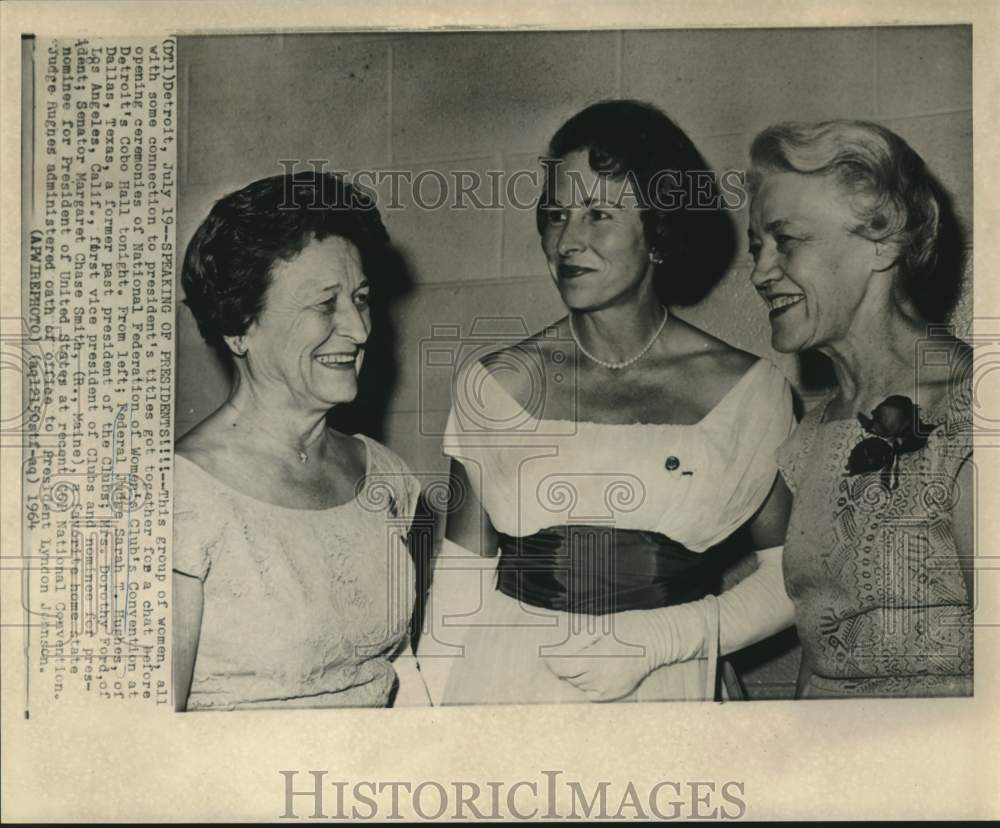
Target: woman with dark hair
point(293, 586)
point(859, 256)
point(605, 457)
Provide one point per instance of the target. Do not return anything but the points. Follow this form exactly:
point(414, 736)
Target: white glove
point(462, 580)
point(752, 610)
point(757, 607)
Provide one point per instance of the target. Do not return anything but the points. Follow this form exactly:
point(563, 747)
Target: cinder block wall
point(490, 101)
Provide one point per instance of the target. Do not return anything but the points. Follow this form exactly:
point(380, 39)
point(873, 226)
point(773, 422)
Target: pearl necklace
point(617, 366)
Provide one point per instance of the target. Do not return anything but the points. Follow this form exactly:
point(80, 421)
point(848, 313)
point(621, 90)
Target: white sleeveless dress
point(695, 484)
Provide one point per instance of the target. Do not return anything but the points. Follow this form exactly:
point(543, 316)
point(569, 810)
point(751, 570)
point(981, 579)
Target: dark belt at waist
point(598, 570)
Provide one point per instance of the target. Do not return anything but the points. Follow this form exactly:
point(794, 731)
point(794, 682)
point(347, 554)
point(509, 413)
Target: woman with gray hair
point(858, 255)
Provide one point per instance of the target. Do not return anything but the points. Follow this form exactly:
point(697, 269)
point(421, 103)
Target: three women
point(598, 464)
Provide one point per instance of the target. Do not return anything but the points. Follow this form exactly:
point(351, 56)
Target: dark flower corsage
point(896, 430)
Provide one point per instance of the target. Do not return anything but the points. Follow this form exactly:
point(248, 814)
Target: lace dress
point(881, 603)
point(302, 608)
point(691, 484)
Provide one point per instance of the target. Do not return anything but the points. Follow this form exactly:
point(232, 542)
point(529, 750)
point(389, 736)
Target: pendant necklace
point(301, 453)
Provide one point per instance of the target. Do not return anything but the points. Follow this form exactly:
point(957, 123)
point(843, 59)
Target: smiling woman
point(805, 223)
point(856, 252)
point(311, 336)
point(293, 586)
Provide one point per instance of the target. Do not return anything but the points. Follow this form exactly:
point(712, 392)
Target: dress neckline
point(365, 441)
point(940, 410)
point(823, 406)
point(594, 424)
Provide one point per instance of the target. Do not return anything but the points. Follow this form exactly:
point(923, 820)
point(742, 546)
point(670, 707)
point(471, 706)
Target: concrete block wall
point(490, 101)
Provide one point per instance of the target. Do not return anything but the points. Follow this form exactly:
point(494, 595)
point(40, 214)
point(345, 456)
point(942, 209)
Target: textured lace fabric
point(881, 603)
point(302, 608)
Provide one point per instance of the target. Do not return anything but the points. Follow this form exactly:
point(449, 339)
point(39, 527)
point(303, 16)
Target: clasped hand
point(605, 657)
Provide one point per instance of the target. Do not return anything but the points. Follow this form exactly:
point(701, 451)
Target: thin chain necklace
point(302, 454)
point(617, 366)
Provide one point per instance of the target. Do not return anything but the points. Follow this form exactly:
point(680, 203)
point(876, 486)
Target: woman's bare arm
point(468, 524)
point(769, 525)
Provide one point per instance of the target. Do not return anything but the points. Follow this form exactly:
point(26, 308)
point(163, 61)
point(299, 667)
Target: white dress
point(302, 607)
point(695, 484)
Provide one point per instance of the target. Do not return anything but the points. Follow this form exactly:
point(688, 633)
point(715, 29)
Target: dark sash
point(599, 570)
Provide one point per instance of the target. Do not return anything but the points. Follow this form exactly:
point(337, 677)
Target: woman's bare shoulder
point(706, 354)
point(520, 366)
point(704, 366)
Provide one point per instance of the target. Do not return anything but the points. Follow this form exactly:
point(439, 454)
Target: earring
point(655, 257)
point(240, 346)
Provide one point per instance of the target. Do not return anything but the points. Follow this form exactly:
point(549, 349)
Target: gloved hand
point(606, 667)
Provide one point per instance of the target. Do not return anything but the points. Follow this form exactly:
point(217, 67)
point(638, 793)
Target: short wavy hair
point(229, 261)
point(892, 193)
point(636, 140)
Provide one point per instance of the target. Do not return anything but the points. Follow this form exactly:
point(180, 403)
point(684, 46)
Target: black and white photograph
point(579, 413)
point(674, 356)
